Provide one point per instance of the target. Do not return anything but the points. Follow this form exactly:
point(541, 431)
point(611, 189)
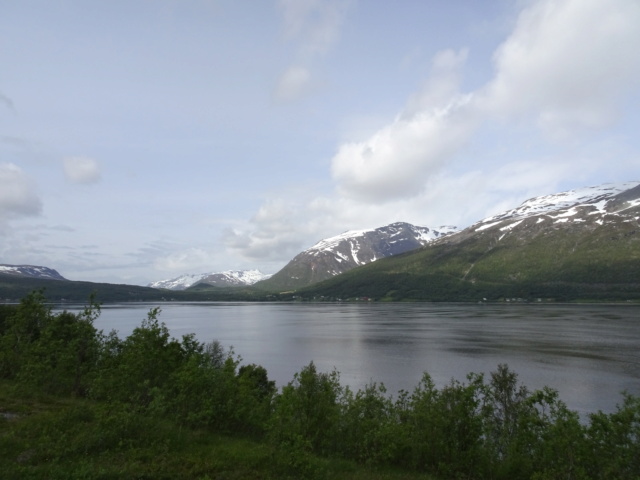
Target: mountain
point(231, 278)
point(31, 271)
point(336, 255)
point(580, 244)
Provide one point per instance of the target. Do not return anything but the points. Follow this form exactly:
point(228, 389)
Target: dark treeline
point(484, 428)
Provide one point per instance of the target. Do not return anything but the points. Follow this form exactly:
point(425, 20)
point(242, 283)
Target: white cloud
point(83, 170)
point(294, 83)
point(442, 85)
point(17, 193)
point(397, 160)
point(274, 232)
point(567, 63)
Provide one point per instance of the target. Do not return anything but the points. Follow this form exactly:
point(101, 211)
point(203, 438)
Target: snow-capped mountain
point(231, 278)
point(335, 255)
point(583, 244)
point(32, 271)
point(588, 206)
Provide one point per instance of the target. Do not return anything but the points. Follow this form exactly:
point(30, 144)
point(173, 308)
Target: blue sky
point(144, 139)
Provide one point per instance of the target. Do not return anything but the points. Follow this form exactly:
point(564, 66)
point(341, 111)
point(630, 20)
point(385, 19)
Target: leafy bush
point(307, 412)
point(369, 429)
point(54, 352)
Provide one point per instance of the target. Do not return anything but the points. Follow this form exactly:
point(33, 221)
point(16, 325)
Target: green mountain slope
point(14, 288)
point(586, 250)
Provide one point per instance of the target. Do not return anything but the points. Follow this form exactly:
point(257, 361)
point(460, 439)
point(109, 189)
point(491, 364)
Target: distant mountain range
point(327, 258)
point(580, 244)
point(31, 271)
point(336, 255)
point(231, 278)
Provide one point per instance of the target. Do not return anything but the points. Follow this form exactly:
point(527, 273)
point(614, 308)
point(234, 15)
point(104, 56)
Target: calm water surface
point(588, 353)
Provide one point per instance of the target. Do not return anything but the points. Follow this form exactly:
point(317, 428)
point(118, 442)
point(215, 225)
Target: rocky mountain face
point(583, 243)
point(31, 271)
point(231, 278)
point(336, 255)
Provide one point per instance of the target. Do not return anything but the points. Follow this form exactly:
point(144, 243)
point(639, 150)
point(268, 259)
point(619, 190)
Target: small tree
point(22, 328)
point(56, 352)
point(370, 431)
point(307, 411)
point(613, 442)
point(136, 369)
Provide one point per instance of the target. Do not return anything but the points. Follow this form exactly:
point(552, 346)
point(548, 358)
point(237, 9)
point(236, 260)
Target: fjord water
point(589, 353)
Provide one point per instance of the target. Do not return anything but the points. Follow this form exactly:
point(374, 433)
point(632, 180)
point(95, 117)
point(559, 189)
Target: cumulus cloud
point(83, 170)
point(398, 159)
point(567, 63)
point(274, 232)
point(17, 193)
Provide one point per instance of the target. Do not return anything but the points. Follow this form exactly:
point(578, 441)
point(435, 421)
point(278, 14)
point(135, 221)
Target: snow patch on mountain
point(33, 271)
point(352, 238)
point(330, 243)
point(571, 205)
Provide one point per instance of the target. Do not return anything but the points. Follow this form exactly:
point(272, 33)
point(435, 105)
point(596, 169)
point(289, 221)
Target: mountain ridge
point(32, 271)
point(229, 278)
point(335, 255)
point(582, 243)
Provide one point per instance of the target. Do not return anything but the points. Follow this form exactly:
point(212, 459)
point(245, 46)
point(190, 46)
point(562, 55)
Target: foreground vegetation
point(78, 403)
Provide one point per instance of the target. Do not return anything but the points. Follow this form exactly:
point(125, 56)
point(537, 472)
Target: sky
point(145, 139)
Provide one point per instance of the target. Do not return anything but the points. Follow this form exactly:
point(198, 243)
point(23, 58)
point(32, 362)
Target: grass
point(65, 438)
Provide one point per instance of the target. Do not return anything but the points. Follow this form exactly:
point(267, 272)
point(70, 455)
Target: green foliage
point(369, 429)
point(307, 412)
point(255, 396)
point(202, 392)
point(144, 363)
point(6, 312)
point(613, 442)
point(444, 427)
point(56, 353)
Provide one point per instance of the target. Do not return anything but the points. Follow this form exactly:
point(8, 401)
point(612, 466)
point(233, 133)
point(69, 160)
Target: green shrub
point(613, 442)
point(307, 412)
point(56, 353)
point(369, 426)
point(445, 427)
